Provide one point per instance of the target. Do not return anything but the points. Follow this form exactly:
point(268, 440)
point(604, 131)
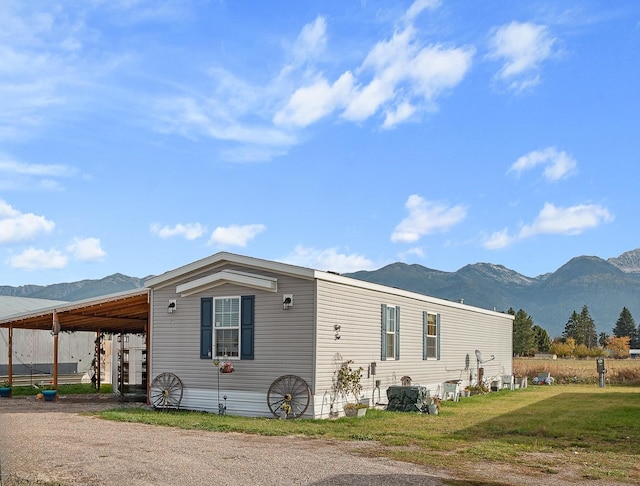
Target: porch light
point(287, 301)
point(171, 308)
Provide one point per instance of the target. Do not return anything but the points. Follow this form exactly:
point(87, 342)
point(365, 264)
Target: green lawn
point(595, 430)
point(75, 389)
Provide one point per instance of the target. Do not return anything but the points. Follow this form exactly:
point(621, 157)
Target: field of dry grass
point(570, 370)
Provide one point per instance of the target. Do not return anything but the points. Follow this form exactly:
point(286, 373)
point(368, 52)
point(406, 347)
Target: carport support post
point(10, 357)
point(55, 330)
point(98, 352)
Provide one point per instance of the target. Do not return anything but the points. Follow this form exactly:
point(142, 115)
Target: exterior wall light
point(287, 301)
point(171, 308)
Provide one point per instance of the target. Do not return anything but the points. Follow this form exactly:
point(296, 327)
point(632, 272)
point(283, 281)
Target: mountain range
point(605, 286)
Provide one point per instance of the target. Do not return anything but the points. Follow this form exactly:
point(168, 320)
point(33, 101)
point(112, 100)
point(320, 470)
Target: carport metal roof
point(125, 312)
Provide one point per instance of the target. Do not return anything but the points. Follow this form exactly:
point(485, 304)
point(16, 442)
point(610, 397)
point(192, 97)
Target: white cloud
point(426, 217)
point(40, 68)
point(499, 239)
point(9, 166)
point(235, 235)
point(330, 259)
point(412, 252)
point(522, 47)
point(558, 164)
point(572, 220)
point(189, 231)
point(16, 226)
point(418, 7)
point(312, 40)
point(402, 113)
point(35, 259)
point(186, 116)
point(401, 78)
point(311, 103)
point(19, 175)
point(553, 220)
point(406, 74)
point(86, 249)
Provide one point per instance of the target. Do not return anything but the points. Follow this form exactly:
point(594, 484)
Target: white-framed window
point(390, 332)
point(431, 338)
point(226, 327)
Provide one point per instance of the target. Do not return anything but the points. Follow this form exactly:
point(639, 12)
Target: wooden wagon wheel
point(289, 392)
point(166, 391)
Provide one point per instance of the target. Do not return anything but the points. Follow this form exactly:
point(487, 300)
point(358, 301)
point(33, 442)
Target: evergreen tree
point(523, 339)
point(582, 328)
point(570, 326)
point(541, 339)
point(586, 332)
point(625, 326)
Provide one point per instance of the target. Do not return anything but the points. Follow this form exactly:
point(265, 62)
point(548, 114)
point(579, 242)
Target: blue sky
point(138, 136)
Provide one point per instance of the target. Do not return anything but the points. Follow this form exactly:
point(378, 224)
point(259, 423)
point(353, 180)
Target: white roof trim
point(177, 274)
point(228, 276)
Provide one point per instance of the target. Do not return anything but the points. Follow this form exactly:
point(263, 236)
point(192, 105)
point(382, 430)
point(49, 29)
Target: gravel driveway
point(52, 443)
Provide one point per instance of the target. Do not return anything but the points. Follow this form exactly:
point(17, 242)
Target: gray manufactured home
point(277, 323)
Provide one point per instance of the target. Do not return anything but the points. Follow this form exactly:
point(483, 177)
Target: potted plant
point(5, 389)
point(49, 392)
point(477, 389)
point(226, 367)
point(347, 383)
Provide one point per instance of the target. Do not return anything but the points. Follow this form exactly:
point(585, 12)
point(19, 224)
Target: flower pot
point(5, 391)
point(355, 412)
point(49, 395)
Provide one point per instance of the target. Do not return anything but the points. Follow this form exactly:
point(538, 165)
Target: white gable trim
point(174, 276)
point(228, 276)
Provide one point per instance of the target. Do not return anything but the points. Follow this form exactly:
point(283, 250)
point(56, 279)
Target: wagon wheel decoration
point(289, 393)
point(166, 391)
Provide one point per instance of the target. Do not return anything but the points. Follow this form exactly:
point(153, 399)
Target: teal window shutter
point(383, 351)
point(206, 327)
point(397, 343)
point(247, 325)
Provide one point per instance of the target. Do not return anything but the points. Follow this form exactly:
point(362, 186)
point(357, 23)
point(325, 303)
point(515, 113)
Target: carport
point(122, 313)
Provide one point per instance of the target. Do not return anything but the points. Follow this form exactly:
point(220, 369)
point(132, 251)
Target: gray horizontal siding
point(283, 342)
point(358, 312)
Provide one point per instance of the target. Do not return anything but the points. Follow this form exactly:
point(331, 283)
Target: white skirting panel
point(248, 404)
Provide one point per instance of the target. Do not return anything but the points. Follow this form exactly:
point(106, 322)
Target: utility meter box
point(600, 365)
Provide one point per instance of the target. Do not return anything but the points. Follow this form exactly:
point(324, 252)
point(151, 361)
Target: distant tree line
point(579, 339)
